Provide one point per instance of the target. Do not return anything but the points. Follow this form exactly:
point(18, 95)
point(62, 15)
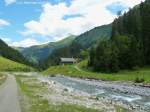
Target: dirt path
point(9, 101)
point(76, 67)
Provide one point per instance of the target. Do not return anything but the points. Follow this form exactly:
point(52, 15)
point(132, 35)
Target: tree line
point(129, 45)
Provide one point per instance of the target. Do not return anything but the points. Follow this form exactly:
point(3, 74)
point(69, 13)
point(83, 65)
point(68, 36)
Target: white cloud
point(25, 43)
point(131, 3)
point(7, 40)
point(94, 13)
point(4, 23)
point(8, 2)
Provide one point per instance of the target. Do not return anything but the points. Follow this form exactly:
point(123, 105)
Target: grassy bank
point(80, 70)
point(8, 65)
point(2, 78)
point(32, 101)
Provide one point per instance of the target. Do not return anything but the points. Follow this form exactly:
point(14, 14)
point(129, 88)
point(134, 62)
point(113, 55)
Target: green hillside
point(81, 42)
point(40, 52)
point(93, 36)
point(11, 53)
point(8, 65)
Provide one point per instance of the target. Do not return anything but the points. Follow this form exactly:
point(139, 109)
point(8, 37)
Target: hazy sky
point(31, 22)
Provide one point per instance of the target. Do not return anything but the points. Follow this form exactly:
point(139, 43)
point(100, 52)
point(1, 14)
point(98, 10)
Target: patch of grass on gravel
point(37, 104)
point(2, 78)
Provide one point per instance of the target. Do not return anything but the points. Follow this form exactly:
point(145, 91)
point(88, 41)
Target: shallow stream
point(126, 98)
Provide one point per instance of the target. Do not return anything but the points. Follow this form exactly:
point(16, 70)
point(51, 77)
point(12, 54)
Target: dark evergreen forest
point(129, 45)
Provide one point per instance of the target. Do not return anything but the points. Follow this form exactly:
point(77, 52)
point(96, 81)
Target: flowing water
point(130, 99)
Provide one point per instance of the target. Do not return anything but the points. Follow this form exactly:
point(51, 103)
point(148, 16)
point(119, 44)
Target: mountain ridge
point(81, 43)
point(40, 52)
point(90, 37)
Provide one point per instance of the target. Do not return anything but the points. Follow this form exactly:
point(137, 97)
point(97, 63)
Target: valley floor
point(65, 94)
point(38, 93)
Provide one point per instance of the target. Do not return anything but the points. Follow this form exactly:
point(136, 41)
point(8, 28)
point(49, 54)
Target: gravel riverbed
point(124, 94)
point(124, 87)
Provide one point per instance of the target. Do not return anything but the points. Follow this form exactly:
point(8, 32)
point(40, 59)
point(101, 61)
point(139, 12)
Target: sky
point(24, 23)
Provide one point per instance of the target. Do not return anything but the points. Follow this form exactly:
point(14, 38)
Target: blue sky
point(30, 22)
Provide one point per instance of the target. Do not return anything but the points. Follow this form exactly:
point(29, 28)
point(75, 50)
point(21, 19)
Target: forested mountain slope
point(91, 37)
point(11, 53)
point(81, 43)
point(66, 47)
point(40, 52)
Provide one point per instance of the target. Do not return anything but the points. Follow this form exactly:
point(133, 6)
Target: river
point(137, 101)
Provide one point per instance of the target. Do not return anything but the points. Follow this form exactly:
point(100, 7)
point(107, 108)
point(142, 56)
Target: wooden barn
point(64, 61)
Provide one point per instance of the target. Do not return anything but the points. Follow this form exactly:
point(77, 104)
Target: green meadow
point(80, 70)
point(8, 65)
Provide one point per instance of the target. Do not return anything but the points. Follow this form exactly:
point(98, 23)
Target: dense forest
point(129, 46)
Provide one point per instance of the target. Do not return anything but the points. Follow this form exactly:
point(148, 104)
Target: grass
point(2, 78)
point(38, 104)
point(8, 65)
point(83, 72)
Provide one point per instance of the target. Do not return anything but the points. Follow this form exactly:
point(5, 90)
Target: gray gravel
point(117, 86)
point(9, 101)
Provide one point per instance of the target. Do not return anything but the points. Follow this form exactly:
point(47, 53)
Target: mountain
point(80, 43)
point(40, 52)
point(69, 51)
point(11, 53)
point(91, 37)
point(18, 48)
point(9, 65)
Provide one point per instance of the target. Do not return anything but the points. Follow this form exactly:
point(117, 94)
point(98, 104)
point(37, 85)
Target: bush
point(139, 80)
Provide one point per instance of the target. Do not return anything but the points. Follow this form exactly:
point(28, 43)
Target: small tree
point(84, 54)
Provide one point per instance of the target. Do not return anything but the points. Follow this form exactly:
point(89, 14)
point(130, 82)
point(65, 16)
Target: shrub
point(139, 80)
